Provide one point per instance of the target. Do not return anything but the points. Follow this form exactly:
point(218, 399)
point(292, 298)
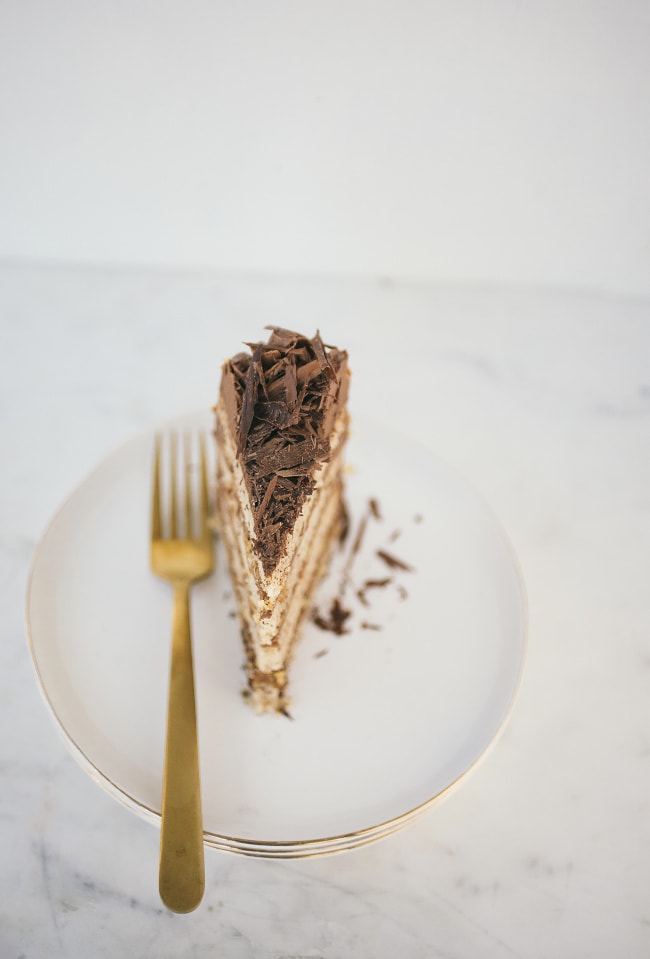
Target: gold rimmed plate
point(385, 718)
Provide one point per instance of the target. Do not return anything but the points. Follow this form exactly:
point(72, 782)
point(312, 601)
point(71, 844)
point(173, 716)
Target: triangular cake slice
point(281, 425)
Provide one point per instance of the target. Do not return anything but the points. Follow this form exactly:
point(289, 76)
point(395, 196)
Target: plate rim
point(289, 848)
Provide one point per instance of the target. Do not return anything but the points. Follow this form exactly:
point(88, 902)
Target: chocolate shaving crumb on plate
point(345, 525)
point(392, 561)
point(377, 583)
point(372, 584)
point(335, 620)
point(358, 540)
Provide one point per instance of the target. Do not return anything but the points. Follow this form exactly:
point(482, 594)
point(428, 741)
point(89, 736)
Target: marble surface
point(542, 400)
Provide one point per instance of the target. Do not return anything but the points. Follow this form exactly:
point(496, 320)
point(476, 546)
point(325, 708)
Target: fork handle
point(182, 873)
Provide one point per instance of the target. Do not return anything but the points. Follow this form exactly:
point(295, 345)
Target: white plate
point(384, 720)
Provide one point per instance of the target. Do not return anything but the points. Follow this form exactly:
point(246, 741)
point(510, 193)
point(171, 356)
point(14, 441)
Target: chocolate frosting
point(281, 402)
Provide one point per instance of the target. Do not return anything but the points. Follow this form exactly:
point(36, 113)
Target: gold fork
point(181, 561)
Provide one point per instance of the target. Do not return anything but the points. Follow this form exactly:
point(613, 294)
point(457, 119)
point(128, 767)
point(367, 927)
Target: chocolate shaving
point(366, 625)
point(374, 508)
point(267, 496)
point(345, 525)
point(372, 584)
point(249, 399)
point(356, 546)
point(358, 540)
point(335, 620)
point(275, 413)
point(307, 372)
point(284, 339)
point(278, 458)
point(290, 385)
point(392, 561)
point(377, 583)
point(322, 357)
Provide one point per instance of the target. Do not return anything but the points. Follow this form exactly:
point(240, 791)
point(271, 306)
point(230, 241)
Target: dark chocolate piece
point(372, 584)
point(392, 561)
point(345, 524)
point(249, 399)
point(335, 620)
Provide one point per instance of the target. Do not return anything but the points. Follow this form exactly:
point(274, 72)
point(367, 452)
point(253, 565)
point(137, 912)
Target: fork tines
point(180, 479)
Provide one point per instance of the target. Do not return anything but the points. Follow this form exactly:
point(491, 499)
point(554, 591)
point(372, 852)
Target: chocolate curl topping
point(268, 494)
point(285, 396)
point(249, 398)
point(284, 339)
point(322, 357)
point(290, 385)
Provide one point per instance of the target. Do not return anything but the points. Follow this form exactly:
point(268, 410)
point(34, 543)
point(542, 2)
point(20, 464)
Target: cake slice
point(281, 425)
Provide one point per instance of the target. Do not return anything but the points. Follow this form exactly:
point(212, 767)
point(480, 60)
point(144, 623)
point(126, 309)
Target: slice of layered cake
point(281, 424)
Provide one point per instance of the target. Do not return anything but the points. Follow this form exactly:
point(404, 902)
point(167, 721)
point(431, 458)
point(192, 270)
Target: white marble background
point(543, 401)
